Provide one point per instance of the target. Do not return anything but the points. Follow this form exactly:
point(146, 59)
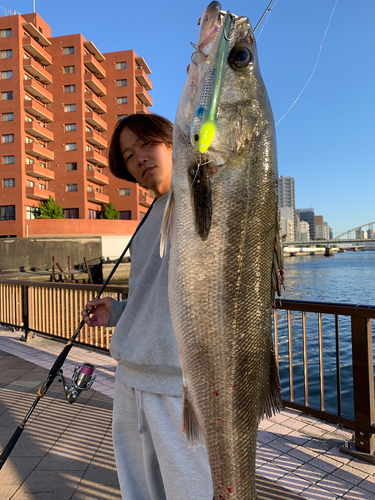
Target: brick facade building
point(60, 100)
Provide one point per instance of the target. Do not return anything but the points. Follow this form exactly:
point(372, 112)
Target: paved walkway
point(65, 451)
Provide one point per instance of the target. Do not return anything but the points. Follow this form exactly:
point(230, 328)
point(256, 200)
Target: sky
point(326, 141)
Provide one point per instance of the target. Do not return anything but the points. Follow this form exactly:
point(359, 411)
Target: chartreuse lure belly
point(208, 96)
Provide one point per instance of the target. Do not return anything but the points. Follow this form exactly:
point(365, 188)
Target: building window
point(88, 129)
point(27, 98)
point(71, 146)
point(69, 70)
point(29, 161)
point(69, 88)
point(68, 108)
point(5, 54)
point(6, 75)
point(72, 187)
point(7, 96)
point(70, 127)
point(125, 192)
point(8, 212)
point(28, 119)
point(94, 214)
point(7, 160)
point(6, 33)
point(29, 139)
point(30, 184)
point(7, 117)
point(68, 50)
point(71, 166)
point(8, 138)
point(71, 213)
point(32, 212)
point(121, 83)
point(125, 215)
point(90, 189)
point(121, 65)
point(42, 186)
point(122, 100)
point(8, 183)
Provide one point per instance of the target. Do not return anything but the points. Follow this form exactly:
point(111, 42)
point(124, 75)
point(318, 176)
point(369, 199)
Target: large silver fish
point(225, 257)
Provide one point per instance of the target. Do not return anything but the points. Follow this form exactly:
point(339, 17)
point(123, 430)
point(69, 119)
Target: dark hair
point(150, 127)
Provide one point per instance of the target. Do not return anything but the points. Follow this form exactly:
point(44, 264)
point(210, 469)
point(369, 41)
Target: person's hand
point(99, 309)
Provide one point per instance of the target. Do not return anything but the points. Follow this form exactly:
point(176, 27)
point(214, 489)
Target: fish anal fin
point(167, 223)
point(190, 424)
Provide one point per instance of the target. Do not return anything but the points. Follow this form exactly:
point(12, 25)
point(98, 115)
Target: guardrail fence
point(324, 350)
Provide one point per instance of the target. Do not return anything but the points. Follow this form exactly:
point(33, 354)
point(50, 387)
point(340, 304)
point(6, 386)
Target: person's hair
point(154, 128)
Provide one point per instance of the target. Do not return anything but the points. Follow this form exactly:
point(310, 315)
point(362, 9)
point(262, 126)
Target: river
point(345, 277)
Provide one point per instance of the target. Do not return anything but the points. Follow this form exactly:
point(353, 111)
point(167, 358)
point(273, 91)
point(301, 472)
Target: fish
point(225, 262)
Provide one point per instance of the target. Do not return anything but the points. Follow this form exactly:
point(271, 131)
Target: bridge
point(360, 236)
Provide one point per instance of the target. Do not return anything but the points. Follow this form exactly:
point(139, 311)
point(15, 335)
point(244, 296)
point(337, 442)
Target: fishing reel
point(82, 379)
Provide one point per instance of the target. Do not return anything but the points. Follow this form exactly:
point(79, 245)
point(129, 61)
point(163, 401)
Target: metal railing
point(314, 341)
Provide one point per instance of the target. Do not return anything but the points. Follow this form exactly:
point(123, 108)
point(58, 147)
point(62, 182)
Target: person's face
point(149, 164)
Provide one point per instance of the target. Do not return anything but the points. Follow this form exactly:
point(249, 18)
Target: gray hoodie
point(143, 343)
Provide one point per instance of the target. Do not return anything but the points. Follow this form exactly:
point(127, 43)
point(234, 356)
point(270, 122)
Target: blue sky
point(326, 142)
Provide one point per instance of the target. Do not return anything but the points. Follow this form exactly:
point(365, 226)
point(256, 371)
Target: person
point(153, 459)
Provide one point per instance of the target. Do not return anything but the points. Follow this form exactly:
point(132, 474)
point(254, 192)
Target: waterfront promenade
point(65, 451)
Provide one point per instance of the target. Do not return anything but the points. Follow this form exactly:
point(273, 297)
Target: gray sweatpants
point(153, 459)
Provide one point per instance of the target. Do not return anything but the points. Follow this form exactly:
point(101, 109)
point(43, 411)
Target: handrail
point(54, 309)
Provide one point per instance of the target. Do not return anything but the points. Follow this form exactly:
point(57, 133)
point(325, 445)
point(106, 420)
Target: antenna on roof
point(34, 6)
point(8, 12)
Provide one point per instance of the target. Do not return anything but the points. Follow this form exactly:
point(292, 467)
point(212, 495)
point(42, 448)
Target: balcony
point(94, 84)
point(35, 129)
point(34, 149)
point(143, 96)
point(95, 120)
point(96, 158)
point(145, 201)
point(36, 34)
point(36, 69)
point(35, 170)
point(143, 79)
point(97, 197)
point(94, 66)
point(95, 102)
point(36, 89)
point(141, 109)
point(33, 48)
point(142, 63)
point(97, 177)
point(37, 109)
point(96, 139)
point(38, 194)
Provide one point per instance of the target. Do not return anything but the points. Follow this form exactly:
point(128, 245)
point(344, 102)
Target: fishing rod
point(82, 378)
point(264, 13)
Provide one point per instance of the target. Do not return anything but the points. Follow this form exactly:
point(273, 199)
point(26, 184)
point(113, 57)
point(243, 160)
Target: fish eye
point(240, 57)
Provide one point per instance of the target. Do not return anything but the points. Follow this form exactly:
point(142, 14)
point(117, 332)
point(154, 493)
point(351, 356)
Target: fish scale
point(221, 275)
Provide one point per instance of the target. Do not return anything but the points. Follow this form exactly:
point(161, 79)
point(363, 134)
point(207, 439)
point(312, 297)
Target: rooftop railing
point(324, 350)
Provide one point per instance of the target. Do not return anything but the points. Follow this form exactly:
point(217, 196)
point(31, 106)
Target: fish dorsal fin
point(278, 265)
point(166, 223)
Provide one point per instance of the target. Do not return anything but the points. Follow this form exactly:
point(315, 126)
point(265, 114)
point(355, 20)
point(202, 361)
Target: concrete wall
point(27, 253)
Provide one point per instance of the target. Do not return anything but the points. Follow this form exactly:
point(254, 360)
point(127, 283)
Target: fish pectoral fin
point(190, 424)
point(166, 223)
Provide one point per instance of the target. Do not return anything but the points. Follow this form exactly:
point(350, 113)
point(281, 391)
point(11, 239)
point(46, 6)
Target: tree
point(109, 212)
point(50, 210)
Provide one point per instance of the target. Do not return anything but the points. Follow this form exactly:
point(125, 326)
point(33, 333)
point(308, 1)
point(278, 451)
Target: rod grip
point(10, 445)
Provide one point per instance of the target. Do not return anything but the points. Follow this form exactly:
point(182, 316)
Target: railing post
point(363, 384)
point(25, 311)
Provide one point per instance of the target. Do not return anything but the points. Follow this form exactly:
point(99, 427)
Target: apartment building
point(60, 100)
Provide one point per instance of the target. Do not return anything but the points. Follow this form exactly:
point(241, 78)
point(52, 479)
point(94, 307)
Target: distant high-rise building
point(287, 223)
point(304, 231)
point(287, 200)
point(322, 229)
point(308, 215)
point(61, 98)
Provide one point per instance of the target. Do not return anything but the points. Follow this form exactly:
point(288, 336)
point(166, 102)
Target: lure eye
point(240, 57)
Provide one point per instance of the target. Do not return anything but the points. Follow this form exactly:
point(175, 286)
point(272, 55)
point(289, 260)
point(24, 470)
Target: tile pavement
point(66, 452)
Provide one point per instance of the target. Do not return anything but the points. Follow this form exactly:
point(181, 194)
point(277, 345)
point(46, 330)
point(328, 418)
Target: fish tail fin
point(272, 403)
point(166, 223)
point(278, 264)
point(190, 424)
